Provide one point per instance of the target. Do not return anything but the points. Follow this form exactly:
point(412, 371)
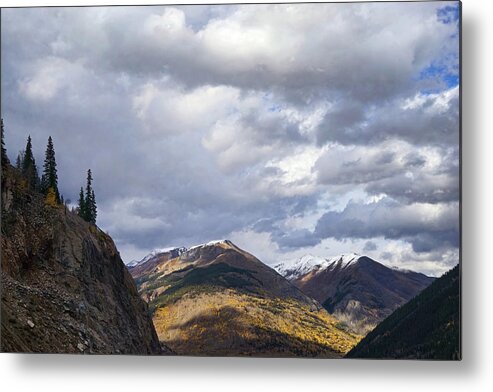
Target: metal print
point(266, 180)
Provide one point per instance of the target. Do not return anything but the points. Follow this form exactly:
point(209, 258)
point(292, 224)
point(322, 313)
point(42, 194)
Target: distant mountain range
point(357, 290)
point(427, 327)
point(216, 299)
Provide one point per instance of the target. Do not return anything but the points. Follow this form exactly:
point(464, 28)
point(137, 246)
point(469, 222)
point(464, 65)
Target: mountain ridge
point(426, 327)
point(356, 289)
point(217, 299)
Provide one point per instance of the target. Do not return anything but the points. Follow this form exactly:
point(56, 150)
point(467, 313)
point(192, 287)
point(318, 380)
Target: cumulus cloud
point(365, 50)
point(157, 101)
point(425, 226)
point(420, 119)
point(257, 122)
point(393, 168)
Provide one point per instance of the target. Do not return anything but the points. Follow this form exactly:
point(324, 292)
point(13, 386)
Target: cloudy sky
point(289, 129)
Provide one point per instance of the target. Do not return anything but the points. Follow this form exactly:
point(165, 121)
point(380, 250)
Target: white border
point(74, 373)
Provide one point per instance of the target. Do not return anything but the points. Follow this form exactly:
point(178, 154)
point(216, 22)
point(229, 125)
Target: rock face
point(356, 289)
point(216, 299)
point(64, 287)
point(427, 327)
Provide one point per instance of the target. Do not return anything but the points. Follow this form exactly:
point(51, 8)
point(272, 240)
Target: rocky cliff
point(65, 288)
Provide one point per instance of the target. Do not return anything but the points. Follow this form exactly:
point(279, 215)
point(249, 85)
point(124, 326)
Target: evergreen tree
point(50, 177)
point(88, 196)
point(43, 186)
point(94, 209)
point(29, 167)
point(19, 160)
point(82, 204)
point(90, 200)
point(87, 202)
point(5, 158)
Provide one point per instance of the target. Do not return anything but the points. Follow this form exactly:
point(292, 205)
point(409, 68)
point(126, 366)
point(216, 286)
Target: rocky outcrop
point(65, 288)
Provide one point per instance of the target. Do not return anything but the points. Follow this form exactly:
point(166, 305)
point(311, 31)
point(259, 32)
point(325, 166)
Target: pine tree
point(43, 186)
point(29, 167)
point(82, 204)
point(87, 202)
point(5, 158)
point(90, 200)
point(19, 160)
point(94, 209)
point(88, 197)
point(50, 176)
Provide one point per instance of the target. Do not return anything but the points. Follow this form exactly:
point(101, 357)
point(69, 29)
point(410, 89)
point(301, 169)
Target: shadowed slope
point(217, 299)
point(427, 327)
point(357, 290)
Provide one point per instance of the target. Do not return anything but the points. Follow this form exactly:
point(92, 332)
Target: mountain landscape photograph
point(235, 180)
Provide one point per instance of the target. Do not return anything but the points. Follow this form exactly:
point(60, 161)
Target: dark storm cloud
point(427, 227)
point(240, 48)
point(203, 121)
point(370, 246)
point(421, 188)
point(426, 119)
point(389, 219)
point(396, 169)
point(296, 239)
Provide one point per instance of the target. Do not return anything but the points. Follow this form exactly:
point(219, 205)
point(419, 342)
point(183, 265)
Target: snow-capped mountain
point(283, 319)
point(159, 255)
point(294, 269)
point(358, 290)
point(133, 263)
point(175, 251)
point(210, 243)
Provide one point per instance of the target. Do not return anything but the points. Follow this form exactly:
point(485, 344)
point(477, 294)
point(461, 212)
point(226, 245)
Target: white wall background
point(75, 373)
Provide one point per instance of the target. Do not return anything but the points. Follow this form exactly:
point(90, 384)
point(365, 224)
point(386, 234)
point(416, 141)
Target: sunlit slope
point(216, 299)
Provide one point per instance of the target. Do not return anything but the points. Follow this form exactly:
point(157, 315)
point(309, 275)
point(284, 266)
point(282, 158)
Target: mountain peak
point(176, 251)
point(223, 242)
point(296, 268)
point(223, 283)
point(155, 252)
point(345, 259)
point(347, 285)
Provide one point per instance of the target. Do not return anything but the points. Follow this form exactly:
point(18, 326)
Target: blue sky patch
point(448, 14)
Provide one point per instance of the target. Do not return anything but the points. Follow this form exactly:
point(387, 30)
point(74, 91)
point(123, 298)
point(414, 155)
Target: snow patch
point(294, 269)
point(178, 250)
point(343, 260)
point(210, 243)
point(154, 253)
